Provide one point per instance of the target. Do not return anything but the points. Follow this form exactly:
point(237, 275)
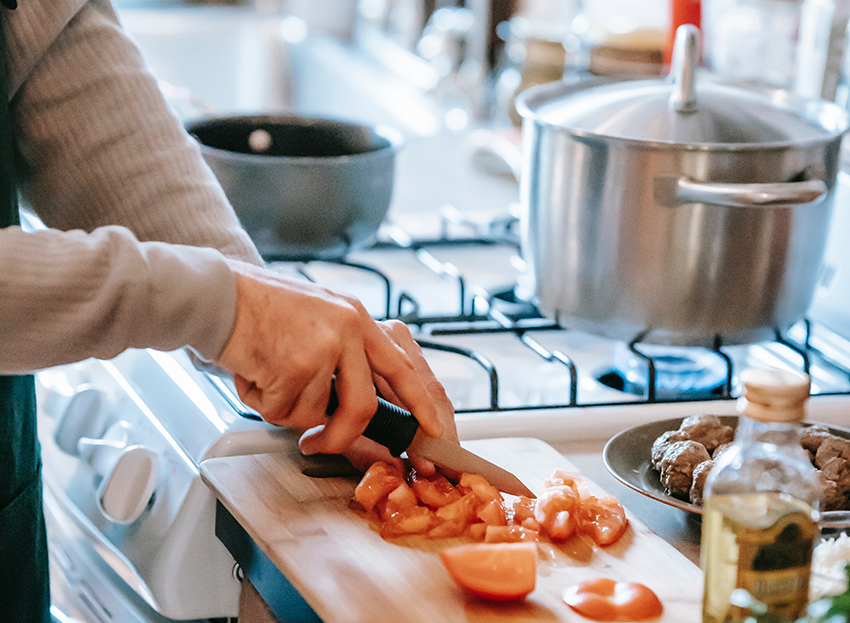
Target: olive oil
point(761, 543)
point(760, 513)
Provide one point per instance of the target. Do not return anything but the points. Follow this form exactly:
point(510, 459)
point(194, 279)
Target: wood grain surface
point(349, 574)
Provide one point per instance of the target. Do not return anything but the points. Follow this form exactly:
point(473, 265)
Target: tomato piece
point(497, 571)
point(435, 491)
point(478, 485)
point(557, 511)
point(478, 531)
point(447, 529)
point(378, 481)
point(604, 519)
point(416, 520)
point(522, 509)
point(399, 499)
point(492, 513)
point(604, 599)
point(463, 509)
point(509, 534)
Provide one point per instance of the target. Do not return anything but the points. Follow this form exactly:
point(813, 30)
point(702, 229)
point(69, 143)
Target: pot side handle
point(673, 191)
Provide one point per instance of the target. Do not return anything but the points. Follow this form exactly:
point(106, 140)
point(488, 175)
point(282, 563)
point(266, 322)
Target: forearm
point(66, 296)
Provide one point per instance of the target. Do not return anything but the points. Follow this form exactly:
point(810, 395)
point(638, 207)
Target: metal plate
point(627, 456)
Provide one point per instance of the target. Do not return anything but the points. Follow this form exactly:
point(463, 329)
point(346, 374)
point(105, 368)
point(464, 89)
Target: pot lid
point(680, 111)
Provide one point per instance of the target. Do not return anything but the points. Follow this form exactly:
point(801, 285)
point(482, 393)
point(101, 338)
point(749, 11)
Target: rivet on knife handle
point(391, 426)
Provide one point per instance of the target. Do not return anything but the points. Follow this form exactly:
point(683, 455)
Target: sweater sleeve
point(66, 296)
point(139, 227)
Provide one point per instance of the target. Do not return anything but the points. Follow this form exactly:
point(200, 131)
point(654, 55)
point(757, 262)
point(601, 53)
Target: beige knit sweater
point(109, 170)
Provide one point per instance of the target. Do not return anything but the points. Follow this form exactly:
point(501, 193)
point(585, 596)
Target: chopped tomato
point(416, 520)
point(603, 599)
point(492, 513)
point(399, 499)
point(435, 491)
point(522, 509)
point(604, 519)
point(377, 483)
point(447, 529)
point(498, 571)
point(557, 511)
point(478, 531)
point(509, 534)
point(482, 489)
point(463, 509)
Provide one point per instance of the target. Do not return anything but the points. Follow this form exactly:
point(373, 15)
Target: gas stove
point(122, 440)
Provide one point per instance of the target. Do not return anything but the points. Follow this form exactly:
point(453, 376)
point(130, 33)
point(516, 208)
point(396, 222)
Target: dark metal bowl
point(303, 188)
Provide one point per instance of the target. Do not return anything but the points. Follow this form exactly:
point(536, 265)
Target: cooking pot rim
point(695, 147)
point(392, 136)
point(529, 100)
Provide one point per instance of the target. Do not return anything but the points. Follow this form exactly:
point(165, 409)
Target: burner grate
point(481, 311)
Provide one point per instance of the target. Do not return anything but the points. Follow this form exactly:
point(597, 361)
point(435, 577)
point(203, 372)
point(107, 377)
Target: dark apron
point(24, 587)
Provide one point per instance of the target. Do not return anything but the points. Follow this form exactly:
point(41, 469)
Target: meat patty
point(662, 442)
point(678, 464)
point(698, 481)
point(832, 447)
point(707, 430)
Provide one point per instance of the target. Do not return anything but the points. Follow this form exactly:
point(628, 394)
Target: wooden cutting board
point(348, 573)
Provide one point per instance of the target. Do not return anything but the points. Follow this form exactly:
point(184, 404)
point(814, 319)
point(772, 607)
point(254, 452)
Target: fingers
point(392, 358)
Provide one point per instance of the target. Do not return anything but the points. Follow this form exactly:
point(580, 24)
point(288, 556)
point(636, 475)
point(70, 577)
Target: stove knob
point(129, 473)
point(82, 417)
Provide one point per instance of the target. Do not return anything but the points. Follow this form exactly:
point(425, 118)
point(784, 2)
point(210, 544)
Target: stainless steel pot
point(673, 212)
point(303, 188)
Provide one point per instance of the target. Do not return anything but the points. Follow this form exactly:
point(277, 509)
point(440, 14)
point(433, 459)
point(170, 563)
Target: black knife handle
point(391, 426)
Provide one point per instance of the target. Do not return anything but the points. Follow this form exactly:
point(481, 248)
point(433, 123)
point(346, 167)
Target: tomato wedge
point(497, 571)
point(377, 483)
point(435, 491)
point(604, 599)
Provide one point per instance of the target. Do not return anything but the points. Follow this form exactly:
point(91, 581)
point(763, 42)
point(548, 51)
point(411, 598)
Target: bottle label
point(774, 564)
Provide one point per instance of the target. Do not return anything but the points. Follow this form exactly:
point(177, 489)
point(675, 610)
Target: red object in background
point(681, 12)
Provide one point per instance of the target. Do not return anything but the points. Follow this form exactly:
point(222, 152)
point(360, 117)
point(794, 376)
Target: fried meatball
point(837, 470)
point(660, 445)
point(811, 437)
point(698, 481)
point(707, 430)
point(832, 447)
point(832, 499)
point(678, 463)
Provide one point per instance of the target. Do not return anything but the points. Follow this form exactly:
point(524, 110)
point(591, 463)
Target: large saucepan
point(303, 188)
point(674, 212)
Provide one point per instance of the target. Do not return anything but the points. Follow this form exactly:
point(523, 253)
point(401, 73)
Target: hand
point(364, 452)
point(291, 338)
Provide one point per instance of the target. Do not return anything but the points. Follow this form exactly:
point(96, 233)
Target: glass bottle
point(760, 515)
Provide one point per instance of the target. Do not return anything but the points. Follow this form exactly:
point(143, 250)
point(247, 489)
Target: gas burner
point(681, 373)
point(508, 304)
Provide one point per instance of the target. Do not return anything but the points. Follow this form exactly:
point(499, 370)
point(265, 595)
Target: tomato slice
point(604, 599)
point(482, 489)
point(604, 519)
point(492, 513)
point(497, 571)
point(377, 483)
point(399, 499)
point(416, 520)
point(435, 491)
point(509, 534)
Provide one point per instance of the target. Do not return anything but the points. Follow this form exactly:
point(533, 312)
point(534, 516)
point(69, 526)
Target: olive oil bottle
point(760, 514)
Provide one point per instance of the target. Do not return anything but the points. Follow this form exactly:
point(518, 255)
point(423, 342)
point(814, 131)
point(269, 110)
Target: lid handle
point(686, 54)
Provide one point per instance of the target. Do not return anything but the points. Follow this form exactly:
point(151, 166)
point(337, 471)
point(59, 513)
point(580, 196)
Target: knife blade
point(397, 429)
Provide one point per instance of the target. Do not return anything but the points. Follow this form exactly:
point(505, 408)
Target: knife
point(397, 429)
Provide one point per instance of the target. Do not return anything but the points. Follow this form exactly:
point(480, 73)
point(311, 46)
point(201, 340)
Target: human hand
point(292, 338)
